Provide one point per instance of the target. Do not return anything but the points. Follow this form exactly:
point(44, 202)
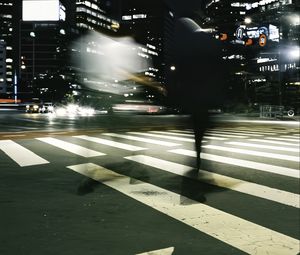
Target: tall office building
point(7, 45)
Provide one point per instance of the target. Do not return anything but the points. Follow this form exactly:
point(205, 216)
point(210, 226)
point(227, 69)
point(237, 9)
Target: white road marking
point(255, 145)
point(172, 133)
point(245, 187)
point(70, 147)
point(123, 146)
point(284, 139)
point(166, 251)
point(285, 171)
point(142, 139)
point(290, 136)
point(21, 155)
point(237, 232)
point(273, 142)
point(253, 153)
point(176, 138)
point(12, 135)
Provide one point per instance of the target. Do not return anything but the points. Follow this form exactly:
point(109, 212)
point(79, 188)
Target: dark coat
point(200, 69)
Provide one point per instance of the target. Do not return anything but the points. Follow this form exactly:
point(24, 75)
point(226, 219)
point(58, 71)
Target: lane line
point(118, 145)
point(142, 139)
point(255, 145)
point(253, 153)
point(176, 138)
point(70, 147)
point(279, 196)
point(285, 171)
point(235, 231)
point(273, 142)
point(21, 155)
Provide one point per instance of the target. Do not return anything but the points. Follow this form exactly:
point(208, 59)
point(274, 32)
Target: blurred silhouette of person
point(200, 74)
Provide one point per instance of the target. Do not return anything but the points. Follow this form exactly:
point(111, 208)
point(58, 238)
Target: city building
point(6, 45)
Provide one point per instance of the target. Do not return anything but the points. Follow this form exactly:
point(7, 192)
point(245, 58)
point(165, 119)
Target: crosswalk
point(255, 164)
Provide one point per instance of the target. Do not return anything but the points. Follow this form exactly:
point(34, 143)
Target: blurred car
point(32, 108)
point(46, 108)
point(138, 108)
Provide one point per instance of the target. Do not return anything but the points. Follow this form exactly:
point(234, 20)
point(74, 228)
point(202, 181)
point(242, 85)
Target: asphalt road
point(127, 185)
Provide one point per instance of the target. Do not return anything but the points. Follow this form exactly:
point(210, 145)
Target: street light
point(32, 34)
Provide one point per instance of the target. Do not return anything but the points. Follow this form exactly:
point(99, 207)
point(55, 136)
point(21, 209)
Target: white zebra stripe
point(237, 232)
point(142, 139)
point(123, 146)
point(253, 189)
point(253, 153)
point(21, 155)
point(255, 145)
point(273, 142)
point(285, 171)
point(70, 147)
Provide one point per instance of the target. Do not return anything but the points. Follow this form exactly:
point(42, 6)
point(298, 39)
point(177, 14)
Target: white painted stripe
point(237, 232)
point(182, 139)
point(21, 155)
point(169, 166)
point(123, 146)
point(172, 133)
point(284, 139)
point(250, 131)
point(177, 138)
point(166, 251)
point(182, 131)
point(224, 134)
point(142, 139)
point(285, 171)
point(253, 153)
point(290, 136)
point(273, 142)
point(12, 135)
point(252, 189)
point(70, 147)
point(255, 145)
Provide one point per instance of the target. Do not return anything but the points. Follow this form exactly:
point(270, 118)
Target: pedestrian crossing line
point(181, 131)
point(123, 146)
point(21, 155)
point(177, 138)
point(223, 134)
point(244, 235)
point(253, 153)
point(279, 196)
point(255, 145)
point(142, 139)
point(273, 142)
point(244, 132)
point(284, 139)
point(285, 171)
point(172, 133)
point(290, 136)
point(70, 147)
point(182, 139)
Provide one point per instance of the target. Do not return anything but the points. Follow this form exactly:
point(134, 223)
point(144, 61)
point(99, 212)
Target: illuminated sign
point(43, 10)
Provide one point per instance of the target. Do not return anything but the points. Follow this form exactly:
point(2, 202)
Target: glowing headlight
point(27, 106)
point(35, 107)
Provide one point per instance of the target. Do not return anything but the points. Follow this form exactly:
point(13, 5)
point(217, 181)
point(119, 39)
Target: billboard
point(43, 10)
